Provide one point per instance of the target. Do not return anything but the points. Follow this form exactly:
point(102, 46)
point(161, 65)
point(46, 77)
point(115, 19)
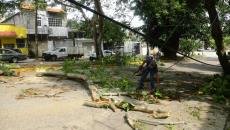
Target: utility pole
point(36, 28)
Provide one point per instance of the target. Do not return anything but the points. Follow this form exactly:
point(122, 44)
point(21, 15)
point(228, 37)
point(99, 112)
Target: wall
point(43, 46)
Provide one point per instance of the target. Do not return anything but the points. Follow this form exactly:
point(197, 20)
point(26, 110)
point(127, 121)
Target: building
point(51, 22)
point(13, 37)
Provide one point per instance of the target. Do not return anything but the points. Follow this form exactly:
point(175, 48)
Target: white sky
point(109, 8)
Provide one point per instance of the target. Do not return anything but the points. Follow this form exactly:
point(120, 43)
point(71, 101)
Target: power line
point(133, 30)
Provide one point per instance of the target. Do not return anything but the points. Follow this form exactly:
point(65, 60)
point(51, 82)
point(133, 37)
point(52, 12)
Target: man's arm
point(140, 67)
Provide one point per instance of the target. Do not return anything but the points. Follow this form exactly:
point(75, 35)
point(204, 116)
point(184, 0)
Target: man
point(149, 66)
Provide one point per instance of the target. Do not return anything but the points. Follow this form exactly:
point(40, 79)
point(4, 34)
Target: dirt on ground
point(29, 102)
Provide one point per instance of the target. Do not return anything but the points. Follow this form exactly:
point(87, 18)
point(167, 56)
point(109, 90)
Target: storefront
point(13, 37)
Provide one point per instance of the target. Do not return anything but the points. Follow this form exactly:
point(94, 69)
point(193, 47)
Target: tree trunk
point(99, 29)
point(217, 35)
point(172, 46)
point(36, 29)
point(95, 35)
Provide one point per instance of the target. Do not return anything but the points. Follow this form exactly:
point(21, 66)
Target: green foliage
point(68, 66)
point(6, 69)
point(106, 80)
point(218, 87)
point(8, 6)
point(189, 45)
point(73, 24)
point(126, 106)
point(83, 65)
point(113, 33)
point(119, 60)
point(158, 94)
point(227, 41)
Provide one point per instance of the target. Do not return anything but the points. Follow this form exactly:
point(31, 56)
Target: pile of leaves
point(218, 87)
point(99, 75)
point(106, 80)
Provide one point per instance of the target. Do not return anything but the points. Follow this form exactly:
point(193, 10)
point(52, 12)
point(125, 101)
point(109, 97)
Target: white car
point(93, 56)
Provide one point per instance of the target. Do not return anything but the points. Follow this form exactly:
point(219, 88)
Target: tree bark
point(172, 46)
point(217, 35)
point(99, 30)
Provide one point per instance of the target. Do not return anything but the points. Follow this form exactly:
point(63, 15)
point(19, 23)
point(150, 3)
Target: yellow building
point(13, 37)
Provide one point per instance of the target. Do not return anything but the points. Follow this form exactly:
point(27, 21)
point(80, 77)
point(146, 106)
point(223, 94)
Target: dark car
point(11, 55)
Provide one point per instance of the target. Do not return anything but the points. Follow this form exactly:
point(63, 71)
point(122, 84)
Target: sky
point(109, 9)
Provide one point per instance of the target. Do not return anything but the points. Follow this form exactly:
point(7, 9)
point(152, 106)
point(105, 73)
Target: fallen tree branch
point(77, 77)
point(101, 104)
point(2, 81)
point(160, 122)
point(142, 109)
point(134, 122)
point(56, 74)
point(118, 94)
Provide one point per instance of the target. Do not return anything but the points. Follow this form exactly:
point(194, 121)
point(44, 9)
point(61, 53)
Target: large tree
point(166, 21)
point(217, 34)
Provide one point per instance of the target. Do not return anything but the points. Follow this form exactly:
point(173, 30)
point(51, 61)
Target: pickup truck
point(62, 53)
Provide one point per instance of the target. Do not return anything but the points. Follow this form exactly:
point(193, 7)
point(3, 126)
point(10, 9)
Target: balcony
point(58, 32)
point(41, 30)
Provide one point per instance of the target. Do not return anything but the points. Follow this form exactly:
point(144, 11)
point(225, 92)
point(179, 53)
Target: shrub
point(218, 87)
point(68, 66)
point(6, 70)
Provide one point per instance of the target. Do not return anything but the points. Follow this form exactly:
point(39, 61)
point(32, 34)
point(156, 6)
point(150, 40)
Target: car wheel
point(92, 58)
point(14, 60)
point(54, 58)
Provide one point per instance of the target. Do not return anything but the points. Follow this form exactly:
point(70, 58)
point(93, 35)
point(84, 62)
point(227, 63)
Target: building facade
point(51, 26)
point(13, 37)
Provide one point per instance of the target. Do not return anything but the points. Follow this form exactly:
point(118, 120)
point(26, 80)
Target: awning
point(8, 34)
point(55, 10)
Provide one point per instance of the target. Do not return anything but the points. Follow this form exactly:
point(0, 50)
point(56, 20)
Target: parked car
point(11, 55)
point(93, 56)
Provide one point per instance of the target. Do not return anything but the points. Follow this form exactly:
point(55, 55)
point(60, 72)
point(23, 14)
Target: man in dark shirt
point(149, 66)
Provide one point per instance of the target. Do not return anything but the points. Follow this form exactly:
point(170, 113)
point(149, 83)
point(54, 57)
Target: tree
point(217, 35)
point(96, 22)
point(6, 7)
point(166, 21)
point(113, 33)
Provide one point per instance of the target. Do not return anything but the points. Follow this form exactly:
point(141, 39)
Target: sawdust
point(42, 92)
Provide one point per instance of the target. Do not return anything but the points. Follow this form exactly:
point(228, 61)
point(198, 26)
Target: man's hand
point(139, 69)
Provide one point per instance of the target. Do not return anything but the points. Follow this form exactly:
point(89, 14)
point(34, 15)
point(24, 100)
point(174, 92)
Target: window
point(55, 22)
point(20, 43)
point(62, 50)
point(39, 21)
point(7, 52)
point(8, 46)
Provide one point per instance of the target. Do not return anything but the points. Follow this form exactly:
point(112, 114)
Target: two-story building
point(51, 24)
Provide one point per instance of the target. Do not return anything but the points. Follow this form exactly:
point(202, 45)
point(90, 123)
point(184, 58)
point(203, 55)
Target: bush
point(68, 66)
point(218, 87)
point(105, 80)
point(6, 69)
point(189, 45)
